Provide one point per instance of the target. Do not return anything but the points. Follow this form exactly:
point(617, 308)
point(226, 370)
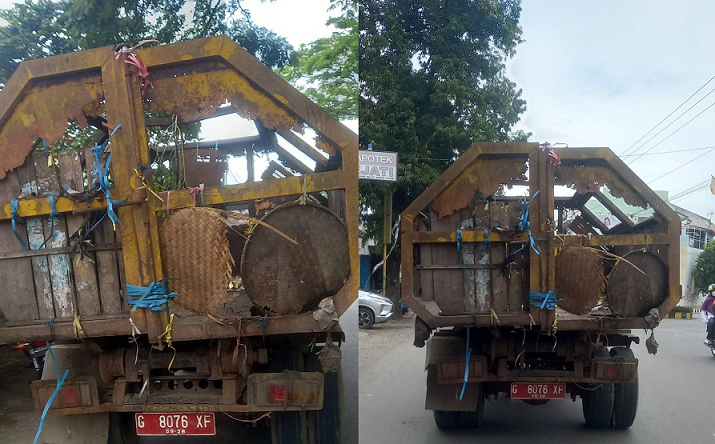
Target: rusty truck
point(169, 290)
point(521, 290)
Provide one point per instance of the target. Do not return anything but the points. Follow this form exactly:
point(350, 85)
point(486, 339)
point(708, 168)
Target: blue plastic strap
point(16, 219)
point(546, 300)
point(486, 236)
point(459, 246)
point(154, 297)
point(466, 367)
point(53, 215)
point(525, 225)
point(60, 381)
point(101, 180)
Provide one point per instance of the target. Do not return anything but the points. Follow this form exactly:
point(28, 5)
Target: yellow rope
point(167, 335)
point(77, 328)
point(555, 326)
point(304, 197)
point(145, 186)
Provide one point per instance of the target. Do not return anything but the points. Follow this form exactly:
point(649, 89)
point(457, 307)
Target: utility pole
point(386, 239)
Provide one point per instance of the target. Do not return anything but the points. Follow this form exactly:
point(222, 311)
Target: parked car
point(373, 309)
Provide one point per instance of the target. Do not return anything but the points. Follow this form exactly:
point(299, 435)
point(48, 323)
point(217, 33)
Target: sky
point(300, 23)
point(604, 73)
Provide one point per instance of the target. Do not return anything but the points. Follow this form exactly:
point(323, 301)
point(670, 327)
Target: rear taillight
point(618, 369)
point(72, 394)
point(277, 394)
point(287, 389)
point(609, 370)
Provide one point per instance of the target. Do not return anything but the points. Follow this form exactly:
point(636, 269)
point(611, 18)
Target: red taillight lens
point(277, 394)
point(70, 396)
point(609, 371)
point(286, 390)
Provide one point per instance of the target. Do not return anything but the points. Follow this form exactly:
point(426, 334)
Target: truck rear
point(169, 290)
point(520, 288)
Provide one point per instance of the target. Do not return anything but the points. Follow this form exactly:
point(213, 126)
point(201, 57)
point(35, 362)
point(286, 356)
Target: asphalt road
point(676, 400)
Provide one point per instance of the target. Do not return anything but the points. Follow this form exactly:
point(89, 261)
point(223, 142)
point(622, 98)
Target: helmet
point(711, 287)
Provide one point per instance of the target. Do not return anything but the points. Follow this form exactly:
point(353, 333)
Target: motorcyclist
point(707, 311)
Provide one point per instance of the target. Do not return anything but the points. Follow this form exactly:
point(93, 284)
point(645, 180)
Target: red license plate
point(175, 424)
point(537, 390)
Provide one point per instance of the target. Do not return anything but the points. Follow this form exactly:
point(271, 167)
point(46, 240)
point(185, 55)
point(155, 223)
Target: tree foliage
point(432, 82)
point(326, 70)
point(41, 28)
point(704, 271)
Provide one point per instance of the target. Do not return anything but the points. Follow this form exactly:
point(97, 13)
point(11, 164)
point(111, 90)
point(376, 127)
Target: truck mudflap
point(285, 391)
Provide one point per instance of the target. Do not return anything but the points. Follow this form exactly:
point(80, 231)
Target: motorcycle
point(36, 352)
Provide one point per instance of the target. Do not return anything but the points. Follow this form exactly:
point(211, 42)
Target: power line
point(670, 152)
point(668, 136)
point(666, 117)
point(681, 166)
point(695, 191)
point(689, 190)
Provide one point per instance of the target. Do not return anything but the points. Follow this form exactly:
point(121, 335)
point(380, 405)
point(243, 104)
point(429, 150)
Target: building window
point(697, 237)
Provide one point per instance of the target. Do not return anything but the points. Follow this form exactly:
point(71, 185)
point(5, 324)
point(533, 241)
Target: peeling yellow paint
point(214, 46)
point(281, 99)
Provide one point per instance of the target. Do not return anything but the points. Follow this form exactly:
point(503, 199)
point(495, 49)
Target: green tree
point(326, 70)
point(41, 28)
point(432, 82)
point(704, 271)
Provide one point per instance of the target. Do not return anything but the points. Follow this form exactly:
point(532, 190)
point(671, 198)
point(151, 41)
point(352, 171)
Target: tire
point(625, 404)
point(366, 318)
point(598, 402)
point(446, 420)
point(287, 427)
point(324, 425)
point(122, 429)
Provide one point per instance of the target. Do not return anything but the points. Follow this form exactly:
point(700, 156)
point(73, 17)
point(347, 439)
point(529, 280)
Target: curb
point(679, 315)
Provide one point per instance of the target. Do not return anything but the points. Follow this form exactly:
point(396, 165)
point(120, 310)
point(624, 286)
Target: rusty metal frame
point(542, 267)
point(139, 230)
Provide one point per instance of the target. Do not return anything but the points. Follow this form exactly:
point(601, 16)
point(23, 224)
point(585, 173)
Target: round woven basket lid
point(286, 278)
point(631, 293)
point(580, 279)
point(195, 251)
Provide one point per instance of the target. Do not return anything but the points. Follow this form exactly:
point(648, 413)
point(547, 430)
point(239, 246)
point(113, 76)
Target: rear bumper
point(602, 370)
point(300, 391)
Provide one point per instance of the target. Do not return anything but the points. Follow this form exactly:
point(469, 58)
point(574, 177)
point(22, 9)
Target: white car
point(373, 309)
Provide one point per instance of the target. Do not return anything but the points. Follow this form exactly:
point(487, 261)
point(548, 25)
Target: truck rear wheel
point(625, 404)
point(473, 420)
point(122, 429)
point(598, 402)
point(446, 420)
point(315, 426)
point(466, 420)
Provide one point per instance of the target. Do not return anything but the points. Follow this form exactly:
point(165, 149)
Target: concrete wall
point(688, 257)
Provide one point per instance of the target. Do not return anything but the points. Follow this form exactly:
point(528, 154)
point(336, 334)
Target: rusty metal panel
point(498, 253)
point(208, 71)
point(43, 111)
point(16, 274)
point(585, 171)
point(449, 284)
